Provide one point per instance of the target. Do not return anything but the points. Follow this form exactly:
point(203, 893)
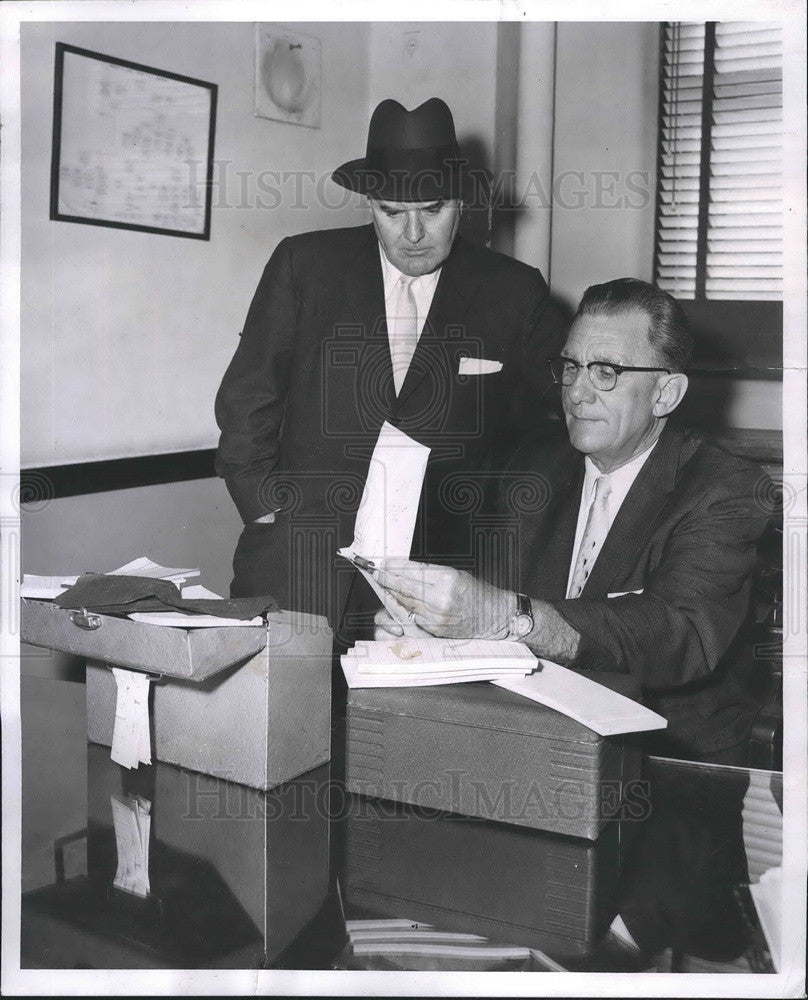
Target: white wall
point(125, 335)
point(413, 61)
point(605, 141)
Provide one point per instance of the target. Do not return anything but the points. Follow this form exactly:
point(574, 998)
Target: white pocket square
point(622, 593)
point(478, 366)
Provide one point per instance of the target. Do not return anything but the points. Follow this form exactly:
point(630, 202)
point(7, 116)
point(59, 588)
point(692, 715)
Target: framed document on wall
point(132, 145)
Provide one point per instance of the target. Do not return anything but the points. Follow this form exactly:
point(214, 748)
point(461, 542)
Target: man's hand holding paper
point(445, 601)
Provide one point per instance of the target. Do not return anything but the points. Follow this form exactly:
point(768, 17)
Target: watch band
point(522, 622)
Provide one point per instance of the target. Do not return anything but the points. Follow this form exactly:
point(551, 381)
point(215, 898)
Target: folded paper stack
point(423, 661)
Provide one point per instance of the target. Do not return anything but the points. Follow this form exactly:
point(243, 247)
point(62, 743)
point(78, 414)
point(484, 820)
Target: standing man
point(400, 321)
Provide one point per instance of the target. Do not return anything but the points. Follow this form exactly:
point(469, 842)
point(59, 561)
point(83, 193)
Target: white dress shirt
point(423, 288)
point(621, 481)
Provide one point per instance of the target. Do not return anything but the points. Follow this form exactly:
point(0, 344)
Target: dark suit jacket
point(302, 402)
point(686, 537)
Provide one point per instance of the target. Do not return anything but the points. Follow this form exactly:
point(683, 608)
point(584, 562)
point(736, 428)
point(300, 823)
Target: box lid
point(192, 654)
point(484, 706)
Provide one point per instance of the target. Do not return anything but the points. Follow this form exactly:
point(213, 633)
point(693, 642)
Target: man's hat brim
point(423, 184)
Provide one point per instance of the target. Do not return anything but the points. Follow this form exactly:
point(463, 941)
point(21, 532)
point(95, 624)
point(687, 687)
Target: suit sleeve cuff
point(592, 654)
point(251, 497)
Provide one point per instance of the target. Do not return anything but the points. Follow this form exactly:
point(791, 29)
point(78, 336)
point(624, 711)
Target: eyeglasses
point(602, 374)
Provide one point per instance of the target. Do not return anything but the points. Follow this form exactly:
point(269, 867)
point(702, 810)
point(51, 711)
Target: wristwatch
point(521, 624)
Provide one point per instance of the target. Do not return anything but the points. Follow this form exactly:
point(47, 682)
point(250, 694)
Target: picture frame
point(132, 145)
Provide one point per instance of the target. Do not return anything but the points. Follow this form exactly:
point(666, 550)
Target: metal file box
point(250, 705)
point(480, 750)
point(507, 883)
point(235, 875)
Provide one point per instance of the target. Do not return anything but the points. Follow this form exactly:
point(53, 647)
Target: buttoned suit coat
point(685, 537)
point(310, 384)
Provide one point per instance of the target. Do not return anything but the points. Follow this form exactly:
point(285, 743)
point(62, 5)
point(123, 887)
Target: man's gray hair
point(669, 330)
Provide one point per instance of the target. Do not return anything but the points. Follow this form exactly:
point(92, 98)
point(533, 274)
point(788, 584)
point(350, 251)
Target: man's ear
point(671, 390)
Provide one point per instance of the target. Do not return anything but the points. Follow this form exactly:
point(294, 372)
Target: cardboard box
point(235, 875)
point(258, 723)
point(512, 885)
point(480, 750)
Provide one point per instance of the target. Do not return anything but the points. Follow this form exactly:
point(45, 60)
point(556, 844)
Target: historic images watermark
point(302, 190)
point(461, 794)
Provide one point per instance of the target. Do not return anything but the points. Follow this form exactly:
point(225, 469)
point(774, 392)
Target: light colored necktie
point(402, 329)
point(597, 528)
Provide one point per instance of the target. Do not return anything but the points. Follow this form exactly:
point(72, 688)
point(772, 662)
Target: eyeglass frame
point(618, 371)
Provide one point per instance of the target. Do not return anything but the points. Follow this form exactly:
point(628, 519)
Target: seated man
point(640, 560)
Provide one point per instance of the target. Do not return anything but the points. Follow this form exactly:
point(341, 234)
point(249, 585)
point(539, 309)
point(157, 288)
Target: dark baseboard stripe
point(50, 482)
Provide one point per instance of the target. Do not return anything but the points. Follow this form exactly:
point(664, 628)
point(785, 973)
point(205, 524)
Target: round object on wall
point(287, 76)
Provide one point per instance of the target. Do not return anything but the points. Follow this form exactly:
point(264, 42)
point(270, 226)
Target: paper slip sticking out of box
point(597, 707)
point(131, 817)
point(421, 661)
point(131, 738)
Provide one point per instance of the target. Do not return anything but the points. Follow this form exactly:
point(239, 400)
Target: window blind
point(719, 204)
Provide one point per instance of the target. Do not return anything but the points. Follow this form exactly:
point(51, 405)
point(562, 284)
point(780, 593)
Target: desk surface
point(308, 876)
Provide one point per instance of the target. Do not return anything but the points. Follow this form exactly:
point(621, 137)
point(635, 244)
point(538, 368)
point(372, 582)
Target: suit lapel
point(557, 530)
point(456, 289)
point(635, 519)
point(364, 292)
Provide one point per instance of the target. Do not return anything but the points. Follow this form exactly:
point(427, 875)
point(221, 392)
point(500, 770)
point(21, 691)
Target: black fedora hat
point(411, 155)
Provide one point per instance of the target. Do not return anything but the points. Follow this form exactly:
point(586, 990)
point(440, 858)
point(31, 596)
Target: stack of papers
point(409, 944)
point(45, 588)
point(131, 738)
point(177, 619)
point(421, 661)
point(132, 819)
point(147, 567)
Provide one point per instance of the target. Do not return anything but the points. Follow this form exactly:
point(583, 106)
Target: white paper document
point(424, 660)
point(597, 707)
point(196, 592)
point(176, 619)
point(131, 817)
point(385, 521)
point(131, 740)
point(143, 566)
point(45, 588)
